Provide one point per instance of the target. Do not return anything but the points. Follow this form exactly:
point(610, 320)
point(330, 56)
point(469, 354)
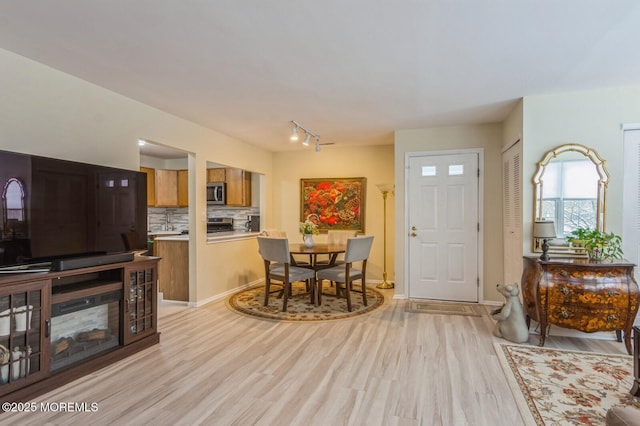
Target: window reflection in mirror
point(570, 186)
point(13, 205)
point(570, 196)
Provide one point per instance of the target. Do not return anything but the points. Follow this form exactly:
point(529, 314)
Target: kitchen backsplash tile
point(177, 219)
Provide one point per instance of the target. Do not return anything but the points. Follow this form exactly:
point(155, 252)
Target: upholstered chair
point(358, 250)
point(277, 266)
point(335, 237)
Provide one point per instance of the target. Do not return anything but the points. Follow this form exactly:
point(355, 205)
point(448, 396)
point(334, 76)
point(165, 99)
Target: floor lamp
point(385, 188)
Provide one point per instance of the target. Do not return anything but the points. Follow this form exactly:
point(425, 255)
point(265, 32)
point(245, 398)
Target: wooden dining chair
point(132, 240)
point(277, 266)
point(358, 250)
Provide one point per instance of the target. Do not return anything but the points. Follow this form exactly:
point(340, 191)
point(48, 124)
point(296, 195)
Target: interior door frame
point(628, 203)
point(480, 153)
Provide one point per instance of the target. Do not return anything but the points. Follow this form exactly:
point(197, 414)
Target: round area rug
point(299, 308)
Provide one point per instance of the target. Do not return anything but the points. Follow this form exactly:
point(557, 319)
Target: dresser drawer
point(609, 292)
point(587, 319)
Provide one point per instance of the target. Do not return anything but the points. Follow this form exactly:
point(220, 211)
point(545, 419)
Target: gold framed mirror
point(570, 187)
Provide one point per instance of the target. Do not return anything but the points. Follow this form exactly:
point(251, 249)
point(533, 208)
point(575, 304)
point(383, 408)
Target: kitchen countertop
point(220, 237)
point(215, 237)
point(173, 237)
point(164, 233)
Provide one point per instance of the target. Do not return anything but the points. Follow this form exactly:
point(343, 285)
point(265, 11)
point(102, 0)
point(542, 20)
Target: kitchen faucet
point(167, 227)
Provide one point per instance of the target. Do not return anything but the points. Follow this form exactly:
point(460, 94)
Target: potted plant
point(308, 230)
point(599, 245)
point(577, 236)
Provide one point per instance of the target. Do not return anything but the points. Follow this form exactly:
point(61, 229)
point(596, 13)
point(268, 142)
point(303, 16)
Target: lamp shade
point(385, 187)
point(544, 229)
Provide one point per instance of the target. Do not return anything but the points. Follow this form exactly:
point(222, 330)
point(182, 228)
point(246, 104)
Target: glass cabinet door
point(24, 322)
point(140, 294)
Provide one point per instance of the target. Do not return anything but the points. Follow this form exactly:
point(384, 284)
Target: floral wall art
point(333, 203)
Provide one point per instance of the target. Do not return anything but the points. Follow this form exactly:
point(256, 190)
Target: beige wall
point(489, 138)
point(372, 162)
point(591, 118)
point(512, 126)
point(47, 112)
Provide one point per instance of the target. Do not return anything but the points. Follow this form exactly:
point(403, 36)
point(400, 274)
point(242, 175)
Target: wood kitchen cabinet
point(581, 294)
point(238, 187)
point(166, 188)
point(183, 188)
point(174, 275)
point(216, 175)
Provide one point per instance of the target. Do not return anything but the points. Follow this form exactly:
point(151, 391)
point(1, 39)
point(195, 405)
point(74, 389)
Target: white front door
point(443, 227)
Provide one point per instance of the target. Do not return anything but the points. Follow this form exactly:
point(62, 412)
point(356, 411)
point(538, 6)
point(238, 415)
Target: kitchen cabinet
point(238, 187)
point(166, 188)
point(151, 185)
point(216, 175)
point(173, 275)
point(183, 188)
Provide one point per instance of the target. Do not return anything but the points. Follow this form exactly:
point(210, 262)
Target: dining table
point(318, 249)
point(314, 252)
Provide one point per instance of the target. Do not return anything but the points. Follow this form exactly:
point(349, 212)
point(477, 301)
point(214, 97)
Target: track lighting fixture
point(307, 135)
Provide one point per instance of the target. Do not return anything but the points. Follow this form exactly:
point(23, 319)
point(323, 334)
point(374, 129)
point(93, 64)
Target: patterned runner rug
point(250, 302)
point(561, 387)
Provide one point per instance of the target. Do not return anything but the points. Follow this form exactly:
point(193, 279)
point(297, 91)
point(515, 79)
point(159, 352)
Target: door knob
point(413, 234)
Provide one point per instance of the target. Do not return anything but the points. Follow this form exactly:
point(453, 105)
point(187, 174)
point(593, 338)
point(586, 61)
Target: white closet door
point(512, 213)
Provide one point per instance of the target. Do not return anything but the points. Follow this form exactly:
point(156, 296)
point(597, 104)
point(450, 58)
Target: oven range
point(219, 224)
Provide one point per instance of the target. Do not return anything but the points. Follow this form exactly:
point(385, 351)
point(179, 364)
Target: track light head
point(307, 135)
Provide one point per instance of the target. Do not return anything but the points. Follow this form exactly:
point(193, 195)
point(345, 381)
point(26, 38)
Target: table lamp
point(545, 230)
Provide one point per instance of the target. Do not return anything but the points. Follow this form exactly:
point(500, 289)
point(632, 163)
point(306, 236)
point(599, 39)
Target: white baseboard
point(224, 295)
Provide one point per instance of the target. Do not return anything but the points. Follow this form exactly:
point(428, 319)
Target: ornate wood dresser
point(581, 294)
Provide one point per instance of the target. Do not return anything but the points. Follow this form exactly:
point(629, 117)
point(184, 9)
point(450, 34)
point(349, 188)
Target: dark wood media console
point(58, 326)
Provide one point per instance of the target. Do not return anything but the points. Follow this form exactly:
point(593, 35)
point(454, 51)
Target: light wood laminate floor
point(391, 367)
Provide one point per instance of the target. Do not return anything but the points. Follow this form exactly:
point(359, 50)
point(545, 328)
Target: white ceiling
point(351, 71)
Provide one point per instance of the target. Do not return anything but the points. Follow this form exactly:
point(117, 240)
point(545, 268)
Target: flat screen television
point(55, 209)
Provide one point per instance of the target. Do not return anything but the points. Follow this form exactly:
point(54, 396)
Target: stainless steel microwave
point(216, 193)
